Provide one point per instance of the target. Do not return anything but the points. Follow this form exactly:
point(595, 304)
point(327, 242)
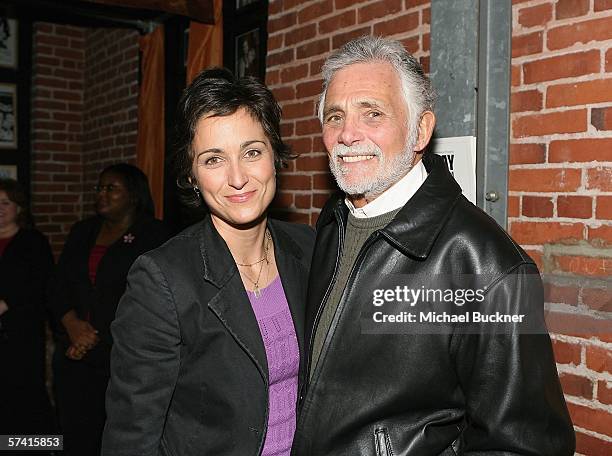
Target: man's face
point(366, 130)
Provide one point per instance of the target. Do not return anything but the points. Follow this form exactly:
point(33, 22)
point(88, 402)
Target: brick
point(275, 7)
point(528, 44)
point(601, 118)
point(579, 93)
point(313, 48)
point(378, 9)
point(566, 353)
point(536, 15)
point(563, 66)
point(426, 16)
point(602, 5)
point(309, 89)
point(609, 60)
point(603, 205)
point(604, 395)
point(399, 24)
point(284, 93)
point(426, 42)
point(575, 206)
point(573, 121)
point(412, 44)
point(544, 180)
point(564, 9)
point(287, 129)
point(599, 299)
point(297, 35)
point(315, 11)
point(527, 100)
point(313, 163)
point(414, 3)
point(280, 58)
point(272, 77)
point(600, 237)
point(319, 199)
point(324, 181)
point(592, 419)
point(600, 179)
point(587, 266)
point(598, 359)
point(561, 294)
point(580, 150)
point(308, 127)
point(575, 385)
point(599, 29)
point(338, 22)
point(537, 206)
point(343, 38)
point(293, 73)
point(296, 110)
point(592, 446)
point(522, 154)
point(283, 22)
point(300, 146)
point(303, 201)
point(513, 206)
point(275, 42)
point(516, 75)
point(340, 4)
point(538, 233)
point(295, 182)
point(283, 199)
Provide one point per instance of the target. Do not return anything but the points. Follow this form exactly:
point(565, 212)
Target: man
point(378, 387)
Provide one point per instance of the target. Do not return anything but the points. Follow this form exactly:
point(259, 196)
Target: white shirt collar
point(394, 197)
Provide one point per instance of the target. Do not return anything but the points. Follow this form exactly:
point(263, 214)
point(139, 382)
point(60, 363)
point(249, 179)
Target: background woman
point(25, 266)
point(91, 277)
point(209, 334)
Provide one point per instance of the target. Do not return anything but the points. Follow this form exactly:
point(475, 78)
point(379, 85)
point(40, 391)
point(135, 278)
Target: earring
point(197, 192)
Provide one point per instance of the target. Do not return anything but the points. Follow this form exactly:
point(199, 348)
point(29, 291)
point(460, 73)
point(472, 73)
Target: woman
point(91, 277)
point(208, 337)
point(25, 266)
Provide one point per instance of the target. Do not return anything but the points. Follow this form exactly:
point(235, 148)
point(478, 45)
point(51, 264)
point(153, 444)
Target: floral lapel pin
point(128, 238)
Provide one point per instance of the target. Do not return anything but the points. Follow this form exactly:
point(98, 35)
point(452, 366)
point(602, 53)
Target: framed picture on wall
point(8, 172)
point(8, 116)
point(243, 3)
point(8, 42)
point(247, 52)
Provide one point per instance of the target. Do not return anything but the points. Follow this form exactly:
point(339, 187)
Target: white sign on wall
point(459, 153)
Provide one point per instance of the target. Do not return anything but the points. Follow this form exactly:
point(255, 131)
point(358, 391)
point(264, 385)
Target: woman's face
point(8, 211)
point(234, 167)
point(112, 197)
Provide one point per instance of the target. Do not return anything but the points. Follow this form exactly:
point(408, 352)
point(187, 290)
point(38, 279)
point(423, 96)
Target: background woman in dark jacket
point(91, 277)
point(25, 266)
point(209, 334)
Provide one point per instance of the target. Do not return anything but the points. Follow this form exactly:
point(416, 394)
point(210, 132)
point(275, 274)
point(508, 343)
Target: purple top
point(278, 333)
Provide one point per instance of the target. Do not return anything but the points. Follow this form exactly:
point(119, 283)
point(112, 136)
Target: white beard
point(388, 173)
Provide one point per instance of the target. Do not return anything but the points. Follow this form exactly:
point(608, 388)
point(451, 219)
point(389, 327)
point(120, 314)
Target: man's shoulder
point(479, 232)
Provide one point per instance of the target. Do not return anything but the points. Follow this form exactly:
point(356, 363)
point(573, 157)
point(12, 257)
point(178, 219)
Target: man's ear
point(426, 127)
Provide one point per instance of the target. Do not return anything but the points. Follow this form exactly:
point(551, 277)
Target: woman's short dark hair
point(137, 185)
point(217, 92)
point(15, 192)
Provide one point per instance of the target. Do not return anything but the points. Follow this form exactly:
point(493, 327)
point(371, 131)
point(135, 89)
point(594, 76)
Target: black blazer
point(189, 372)
point(72, 288)
point(25, 267)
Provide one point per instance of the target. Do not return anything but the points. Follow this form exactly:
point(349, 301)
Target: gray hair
point(416, 86)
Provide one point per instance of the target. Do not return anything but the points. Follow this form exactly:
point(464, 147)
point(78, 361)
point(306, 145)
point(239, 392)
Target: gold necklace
point(256, 289)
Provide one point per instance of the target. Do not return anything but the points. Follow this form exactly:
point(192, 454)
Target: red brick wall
point(84, 106)
point(111, 103)
point(560, 176)
point(301, 35)
point(57, 104)
point(560, 181)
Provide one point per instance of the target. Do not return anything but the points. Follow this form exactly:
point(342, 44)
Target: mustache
point(340, 150)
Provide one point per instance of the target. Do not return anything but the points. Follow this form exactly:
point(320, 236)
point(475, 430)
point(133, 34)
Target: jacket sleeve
point(515, 404)
point(144, 364)
point(26, 294)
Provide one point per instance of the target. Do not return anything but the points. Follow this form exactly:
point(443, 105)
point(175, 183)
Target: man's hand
point(82, 335)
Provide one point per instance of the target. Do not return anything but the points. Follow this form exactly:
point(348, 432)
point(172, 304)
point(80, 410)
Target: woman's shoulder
point(299, 234)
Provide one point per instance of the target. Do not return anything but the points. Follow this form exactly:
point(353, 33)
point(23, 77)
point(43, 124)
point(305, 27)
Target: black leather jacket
point(398, 392)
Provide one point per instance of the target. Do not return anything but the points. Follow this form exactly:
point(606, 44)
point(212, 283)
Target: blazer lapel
point(231, 304)
point(293, 277)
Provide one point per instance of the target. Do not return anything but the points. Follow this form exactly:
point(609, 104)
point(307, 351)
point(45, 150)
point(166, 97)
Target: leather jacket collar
point(430, 206)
